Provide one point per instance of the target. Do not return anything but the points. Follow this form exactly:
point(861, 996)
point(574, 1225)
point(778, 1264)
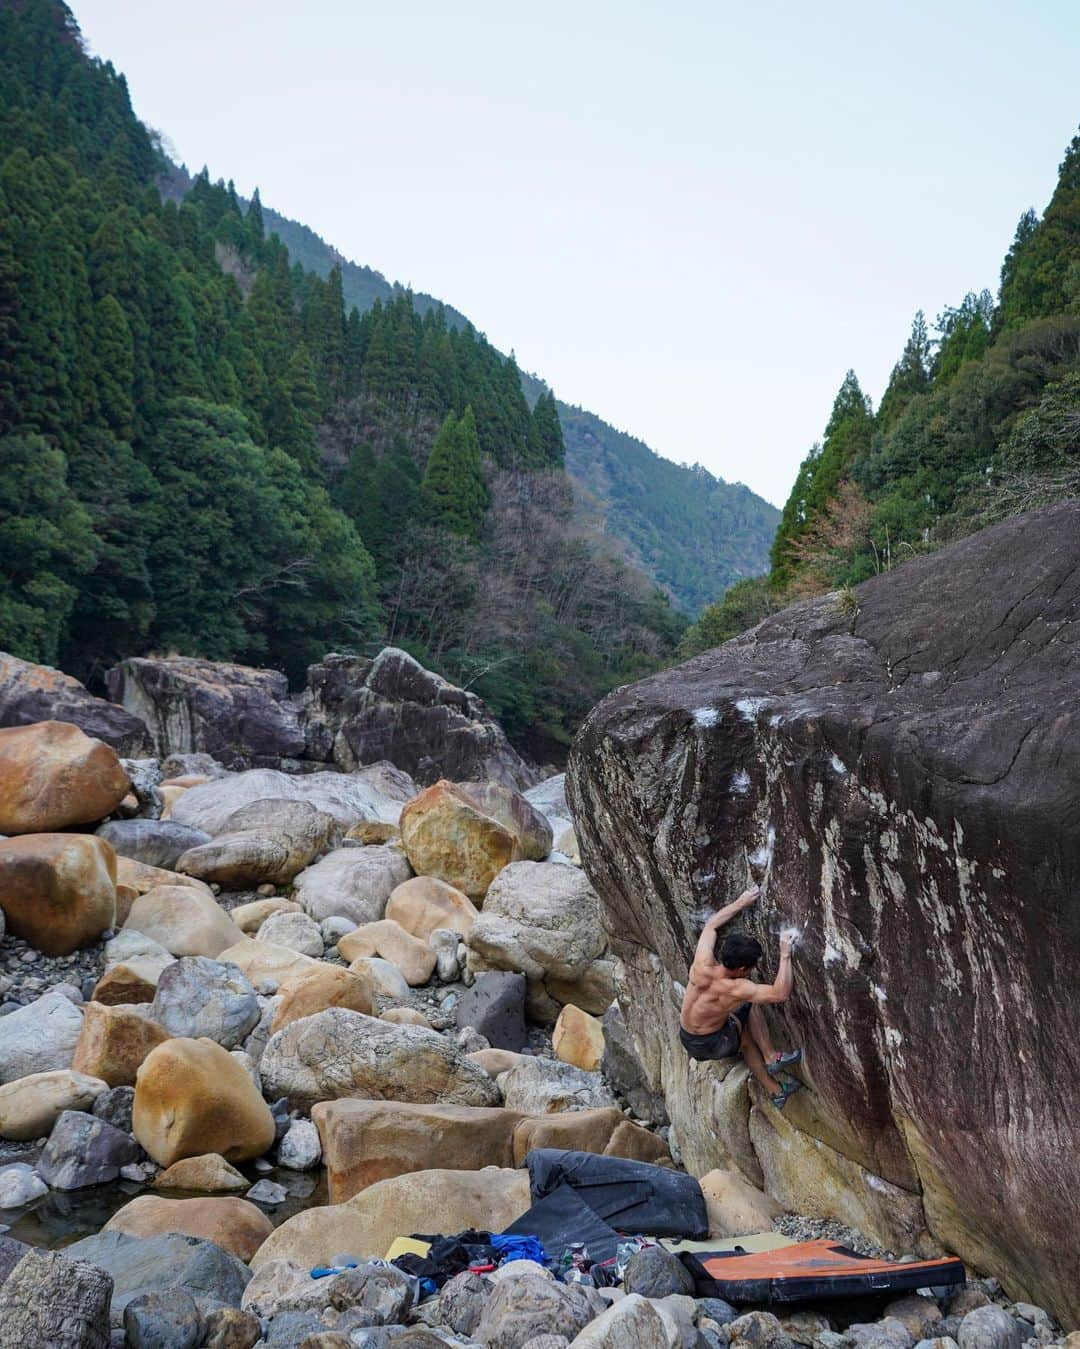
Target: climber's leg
point(775, 1061)
point(754, 1061)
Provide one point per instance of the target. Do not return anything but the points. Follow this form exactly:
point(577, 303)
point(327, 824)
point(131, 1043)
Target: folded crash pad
point(632, 1197)
point(811, 1269)
point(562, 1218)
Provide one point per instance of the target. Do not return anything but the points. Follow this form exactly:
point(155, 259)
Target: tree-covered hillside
point(979, 420)
point(204, 448)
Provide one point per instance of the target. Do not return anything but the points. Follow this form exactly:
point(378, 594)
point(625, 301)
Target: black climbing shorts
point(718, 1044)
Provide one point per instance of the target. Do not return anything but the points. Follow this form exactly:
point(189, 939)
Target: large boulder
point(261, 960)
point(532, 1304)
point(193, 1097)
point(447, 836)
point(52, 1301)
point(264, 842)
point(374, 793)
point(364, 1142)
point(154, 843)
point(422, 1201)
point(39, 1038)
point(538, 1086)
point(30, 693)
point(357, 710)
point(236, 713)
point(84, 1150)
point(514, 812)
point(425, 903)
point(53, 776)
point(352, 883)
point(114, 1041)
point(543, 919)
point(233, 1224)
point(318, 986)
point(413, 957)
point(143, 1264)
point(30, 1106)
point(341, 1053)
point(197, 997)
point(907, 765)
point(187, 922)
point(57, 891)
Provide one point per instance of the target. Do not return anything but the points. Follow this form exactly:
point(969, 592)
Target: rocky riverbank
point(256, 1024)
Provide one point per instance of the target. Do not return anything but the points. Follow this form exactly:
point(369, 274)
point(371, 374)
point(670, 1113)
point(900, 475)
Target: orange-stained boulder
point(191, 1097)
point(445, 835)
point(233, 1224)
point(113, 1042)
point(319, 986)
point(425, 903)
point(53, 775)
point(57, 891)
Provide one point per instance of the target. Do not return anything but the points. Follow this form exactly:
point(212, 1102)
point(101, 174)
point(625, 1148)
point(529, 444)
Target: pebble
point(267, 1192)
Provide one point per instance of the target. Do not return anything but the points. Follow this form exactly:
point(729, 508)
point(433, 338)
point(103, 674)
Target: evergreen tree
point(453, 487)
point(910, 375)
point(546, 448)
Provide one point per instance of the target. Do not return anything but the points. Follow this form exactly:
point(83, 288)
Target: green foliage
point(847, 439)
point(742, 606)
point(983, 428)
point(453, 487)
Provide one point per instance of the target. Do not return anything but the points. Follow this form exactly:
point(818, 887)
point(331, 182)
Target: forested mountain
point(978, 421)
point(204, 448)
point(693, 533)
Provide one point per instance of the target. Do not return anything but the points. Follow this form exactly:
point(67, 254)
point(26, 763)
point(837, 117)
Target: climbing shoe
point(787, 1090)
point(783, 1061)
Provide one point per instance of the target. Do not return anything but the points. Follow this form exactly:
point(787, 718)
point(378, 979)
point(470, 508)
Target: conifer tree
point(910, 375)
point(546, 448)
point(453, 487)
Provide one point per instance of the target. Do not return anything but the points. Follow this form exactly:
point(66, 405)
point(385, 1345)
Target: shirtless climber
point(721, 1015)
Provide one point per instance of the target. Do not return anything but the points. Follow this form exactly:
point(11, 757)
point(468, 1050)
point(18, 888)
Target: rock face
point(341, 1053)
point(909, 769)
point(57, 891)
point(238, 714)
point(357, 711)
point(30, 693)
point(53, 776)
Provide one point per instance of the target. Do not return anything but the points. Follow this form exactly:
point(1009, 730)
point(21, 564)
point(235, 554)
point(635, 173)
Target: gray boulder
point(83, 1150)
point(234, 712)
point(383, 1291)
point(263, 842)
point(547, 1086)
point(654, 1273)
point(30, 693)
point(888, 1333)
point(288, 1330)
point(40, 1037)
point(495, 1007)
point(376, 792)
point(114, 1107)
point(164, 1319)
point(197, 996)
point(296, 931)
point(54, 1301)
point(352, 883)
point(145, 1264)
point(300, 1149)
point(624, 1071)
point(989, 1327)
point(758, 1330)
point(19, 1185)
point(532, 1304)
point(357, 710)
point(462, 1302)
point(158, 843)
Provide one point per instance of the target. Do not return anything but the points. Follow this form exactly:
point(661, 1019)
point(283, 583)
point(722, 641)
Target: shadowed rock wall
point(913, 771)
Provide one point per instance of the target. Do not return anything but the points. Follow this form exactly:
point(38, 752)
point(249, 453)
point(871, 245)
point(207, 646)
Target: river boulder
point(30, 693)
point(900, 765)
point(357, 710)
point(52, 776)
point(57, 891)
point(236, 713)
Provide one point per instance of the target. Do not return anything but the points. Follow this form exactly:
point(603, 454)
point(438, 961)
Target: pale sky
point(690, 218)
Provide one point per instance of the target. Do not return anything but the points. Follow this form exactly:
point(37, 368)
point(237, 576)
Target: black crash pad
point(562, 1218)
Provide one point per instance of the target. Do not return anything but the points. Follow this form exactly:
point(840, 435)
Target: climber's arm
point(780, 989)
point(705, 953)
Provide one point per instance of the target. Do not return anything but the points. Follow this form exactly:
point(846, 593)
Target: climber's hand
point(787, 944)
point(748, 897)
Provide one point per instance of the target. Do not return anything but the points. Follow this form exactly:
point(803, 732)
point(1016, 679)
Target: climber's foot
point(782, 1061)
point(787, 1090)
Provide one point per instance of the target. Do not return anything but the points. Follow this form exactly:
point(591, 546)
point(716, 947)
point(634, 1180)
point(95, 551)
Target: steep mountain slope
point(204, 449)
point(691, 532)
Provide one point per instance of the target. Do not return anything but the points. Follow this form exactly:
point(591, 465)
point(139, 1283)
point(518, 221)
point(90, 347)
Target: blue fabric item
point(324, 1271)
point(520, 1248)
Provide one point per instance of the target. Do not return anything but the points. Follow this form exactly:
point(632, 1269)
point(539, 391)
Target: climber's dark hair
point(740, 951)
